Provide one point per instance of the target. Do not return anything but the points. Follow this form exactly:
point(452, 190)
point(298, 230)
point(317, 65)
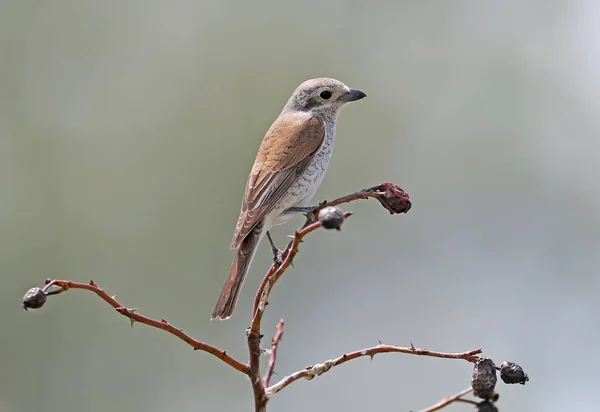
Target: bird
point(289, 168)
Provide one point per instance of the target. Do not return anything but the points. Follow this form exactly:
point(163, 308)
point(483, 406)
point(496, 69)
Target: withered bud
point(395, 199)
point(34, 299)
point(486, 406)
point(510, 373)
point(331, 217)
point(484, 378)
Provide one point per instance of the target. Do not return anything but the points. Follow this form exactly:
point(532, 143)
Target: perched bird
point(289, 167)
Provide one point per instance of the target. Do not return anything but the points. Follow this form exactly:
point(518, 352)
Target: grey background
point(127, 130)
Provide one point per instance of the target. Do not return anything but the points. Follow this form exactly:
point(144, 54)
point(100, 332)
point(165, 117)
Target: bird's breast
point(305, 187)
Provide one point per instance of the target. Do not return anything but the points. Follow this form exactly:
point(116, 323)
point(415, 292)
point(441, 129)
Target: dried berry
point(510, 372)
point(34, 299)
point(484, 378)
point(395, 199)
point(486, 406)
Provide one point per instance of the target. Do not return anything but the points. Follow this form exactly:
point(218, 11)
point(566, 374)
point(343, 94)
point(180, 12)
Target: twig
point(316, 370)
point(469, 401)
point(274, 344)
point(362, 194)
point(65, 285)
point(447, 401)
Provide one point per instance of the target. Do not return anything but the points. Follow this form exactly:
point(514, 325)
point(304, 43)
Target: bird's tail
point(237, 273)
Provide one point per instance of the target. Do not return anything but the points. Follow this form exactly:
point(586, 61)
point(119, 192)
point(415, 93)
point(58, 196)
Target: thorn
point(412, 347)
point(114, 297)
point(379, 340)
point(372, 356)
point(180, 329)
point(292, 263)
point(163, 320)
point(132, 321)
point(92, 283)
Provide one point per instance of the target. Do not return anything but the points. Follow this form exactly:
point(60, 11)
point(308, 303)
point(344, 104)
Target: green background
point(127, 130)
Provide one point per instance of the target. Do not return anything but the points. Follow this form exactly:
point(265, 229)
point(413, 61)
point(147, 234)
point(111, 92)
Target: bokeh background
point(127, 130)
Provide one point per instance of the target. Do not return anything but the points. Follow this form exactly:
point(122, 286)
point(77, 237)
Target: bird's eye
point(326, 94)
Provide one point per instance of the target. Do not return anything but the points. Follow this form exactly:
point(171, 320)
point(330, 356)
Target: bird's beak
point(352, 96)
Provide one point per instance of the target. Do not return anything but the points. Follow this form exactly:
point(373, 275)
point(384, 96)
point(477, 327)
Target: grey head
point(323, 95)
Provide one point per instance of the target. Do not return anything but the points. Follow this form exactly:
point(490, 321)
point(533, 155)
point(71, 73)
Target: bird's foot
point(277, 253)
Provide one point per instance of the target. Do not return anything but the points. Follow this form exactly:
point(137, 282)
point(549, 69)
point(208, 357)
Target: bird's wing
point(286, 150)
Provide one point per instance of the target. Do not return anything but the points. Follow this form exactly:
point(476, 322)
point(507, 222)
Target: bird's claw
point(310, 216)
point(277, 254)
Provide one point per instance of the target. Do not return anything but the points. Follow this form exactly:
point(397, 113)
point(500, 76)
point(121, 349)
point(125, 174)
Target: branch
point(318, 369)
point(273, 358)
point(262, 297)
point(64, 285)
point(447, 401)
point(391, 196)
point(276, 271)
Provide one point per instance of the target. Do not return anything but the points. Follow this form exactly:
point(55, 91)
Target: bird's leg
point(302, 209)
point(277, 254)
point(309, 211)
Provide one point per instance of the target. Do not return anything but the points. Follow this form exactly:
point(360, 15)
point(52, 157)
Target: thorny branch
point(262, 296)
point(447, 401)
point(273, 357)
point(64, 285)
point(392, 197)
point(486, 405)
point(319, 369)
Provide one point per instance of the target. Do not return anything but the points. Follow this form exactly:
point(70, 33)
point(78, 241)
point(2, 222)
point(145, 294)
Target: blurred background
point(127, 131)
